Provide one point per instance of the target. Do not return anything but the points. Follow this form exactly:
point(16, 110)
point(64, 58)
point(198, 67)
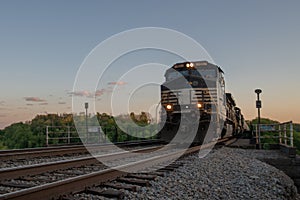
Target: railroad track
point(63, 150)
point(83, 174)
point(15, 172)
point(27, 178)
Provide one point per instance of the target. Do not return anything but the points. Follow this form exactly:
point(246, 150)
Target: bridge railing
point(280, 133)
point(60, 135)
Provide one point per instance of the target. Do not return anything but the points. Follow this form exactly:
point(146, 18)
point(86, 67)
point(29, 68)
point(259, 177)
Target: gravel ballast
point(223, 174)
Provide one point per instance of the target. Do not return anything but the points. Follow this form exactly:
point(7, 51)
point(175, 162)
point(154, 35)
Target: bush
point(18, 136)
point(297, 141)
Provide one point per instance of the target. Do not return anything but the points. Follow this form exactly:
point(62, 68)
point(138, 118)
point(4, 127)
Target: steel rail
point(62, 150)
point(79, 183)
point(15, 172)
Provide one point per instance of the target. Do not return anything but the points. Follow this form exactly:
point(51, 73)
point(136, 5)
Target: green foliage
point(297, 127)
point(2, 146)
point(269, 141)
point(264, 121)
point(136, 126)
point(19, 135)
point(297, 140)
point(33, 133)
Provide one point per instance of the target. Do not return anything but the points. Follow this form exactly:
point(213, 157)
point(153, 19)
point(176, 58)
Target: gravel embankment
point(223, 174)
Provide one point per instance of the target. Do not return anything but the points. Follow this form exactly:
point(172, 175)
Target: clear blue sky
point(43, 43)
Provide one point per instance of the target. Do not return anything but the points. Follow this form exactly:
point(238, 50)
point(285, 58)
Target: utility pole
point(258, 106)
point(86, 106)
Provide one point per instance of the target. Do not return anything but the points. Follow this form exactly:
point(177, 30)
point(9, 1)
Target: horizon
point(121, 115)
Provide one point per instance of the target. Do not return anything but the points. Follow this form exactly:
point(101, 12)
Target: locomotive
point(195, 106)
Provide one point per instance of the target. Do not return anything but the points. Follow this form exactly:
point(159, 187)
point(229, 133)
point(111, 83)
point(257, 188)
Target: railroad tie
point(76, 172)
point(120, 186)
point(3, 192)
point(67, 197)
point(141, 176)
point(110, 193)
point(166, 169)
point(176, 165)
point(17, 185)
point(154, 173)
point(134, 181)
point(170, 167)
point(31, 178)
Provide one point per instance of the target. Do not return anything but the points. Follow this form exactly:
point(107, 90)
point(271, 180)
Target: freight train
point(195, 104)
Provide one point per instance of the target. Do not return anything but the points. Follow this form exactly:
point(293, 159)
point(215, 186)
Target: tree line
point(32, 133)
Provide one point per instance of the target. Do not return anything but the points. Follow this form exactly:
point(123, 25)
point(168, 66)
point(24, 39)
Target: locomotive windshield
point(205, 73)
point(176, 74)
point(208, 73)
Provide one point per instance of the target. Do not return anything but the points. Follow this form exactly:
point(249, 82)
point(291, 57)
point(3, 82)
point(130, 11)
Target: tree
point(264, 121)
point(18, 136)
point(143, 119)
point(132, 116)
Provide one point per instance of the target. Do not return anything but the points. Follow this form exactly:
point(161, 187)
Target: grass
point(297, 141)
point(267, 141)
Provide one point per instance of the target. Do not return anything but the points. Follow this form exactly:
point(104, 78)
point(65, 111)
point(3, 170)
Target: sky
point(44, 43)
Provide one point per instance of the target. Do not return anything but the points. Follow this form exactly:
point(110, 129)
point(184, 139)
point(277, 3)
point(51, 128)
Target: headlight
point(189, 65)
point(169, 107)
point(199, 105)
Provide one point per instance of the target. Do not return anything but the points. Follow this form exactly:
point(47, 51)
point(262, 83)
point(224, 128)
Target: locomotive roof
point(197, 64)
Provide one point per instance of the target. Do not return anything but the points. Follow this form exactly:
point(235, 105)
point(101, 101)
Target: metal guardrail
point(284, 132)
point(94, 134)
point(61, 135)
